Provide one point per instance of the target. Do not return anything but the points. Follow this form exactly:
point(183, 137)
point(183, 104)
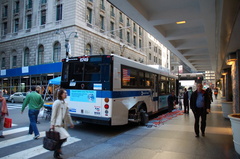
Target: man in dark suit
point(200, 105)
point(186, 101)
point(171, 101)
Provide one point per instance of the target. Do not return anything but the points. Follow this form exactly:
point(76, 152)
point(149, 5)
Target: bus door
point(155, 92)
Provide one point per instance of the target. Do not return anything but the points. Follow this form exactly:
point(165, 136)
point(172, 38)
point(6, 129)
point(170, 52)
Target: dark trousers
point(58, 147)
point(33, 115)
point(186, 109)
point(200, 112)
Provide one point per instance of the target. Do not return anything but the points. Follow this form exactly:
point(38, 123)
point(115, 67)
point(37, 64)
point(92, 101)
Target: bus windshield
point(86, 72)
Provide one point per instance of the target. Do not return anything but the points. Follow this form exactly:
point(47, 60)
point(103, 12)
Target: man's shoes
point(1, 136)
point(36, 137)
point(197, 135)
point(38, 122)
point(203, 134)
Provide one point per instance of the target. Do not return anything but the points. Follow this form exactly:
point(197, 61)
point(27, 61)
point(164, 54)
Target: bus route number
point(84, 59)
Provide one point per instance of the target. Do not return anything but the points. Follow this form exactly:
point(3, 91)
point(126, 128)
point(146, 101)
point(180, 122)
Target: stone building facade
point(34, 32)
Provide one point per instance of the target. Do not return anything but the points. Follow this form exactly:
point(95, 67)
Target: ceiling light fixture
point(231, 58)
point(181, 22)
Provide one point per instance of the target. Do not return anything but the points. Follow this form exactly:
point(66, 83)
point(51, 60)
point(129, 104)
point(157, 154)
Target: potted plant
point(235, 123)
point(227, 108)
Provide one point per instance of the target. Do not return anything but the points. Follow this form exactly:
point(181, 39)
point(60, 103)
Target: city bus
point(113, 90)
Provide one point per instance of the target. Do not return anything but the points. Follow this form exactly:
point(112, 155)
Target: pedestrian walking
point(171, 101)
point(200, 105)
point(60, 119)
point(35, 103)
point(186, 101)
point(216, 92)
point(4, 112)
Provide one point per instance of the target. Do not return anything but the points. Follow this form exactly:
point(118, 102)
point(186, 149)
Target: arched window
point(26, 57)
point(101, 51)
point(88, 50)
point(40, 55)
point(56, 52)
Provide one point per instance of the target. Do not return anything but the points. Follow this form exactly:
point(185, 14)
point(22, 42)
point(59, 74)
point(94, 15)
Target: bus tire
point(143, 117)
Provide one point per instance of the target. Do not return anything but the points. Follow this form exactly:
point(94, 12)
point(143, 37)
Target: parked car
point(18, 97)
point(7, 97)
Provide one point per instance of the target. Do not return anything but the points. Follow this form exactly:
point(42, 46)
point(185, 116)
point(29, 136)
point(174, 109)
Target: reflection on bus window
point(65, 72)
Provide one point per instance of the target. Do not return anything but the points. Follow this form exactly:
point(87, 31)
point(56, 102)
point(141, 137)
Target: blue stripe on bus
point(119, 94)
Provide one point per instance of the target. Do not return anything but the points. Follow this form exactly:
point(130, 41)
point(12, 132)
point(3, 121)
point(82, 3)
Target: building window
point(14, 61)
point(16, 24)
point(43, 17)
point(160, 52)
point(112, 11)
point(43, 1)
point(29, 4)
point(140, 31)
point(128, 22)
point(4, 28)
point(120, 33)
point(26, 57)
point(40, 54)
point(88, 50)
point(102, 51)
point(16, 10)
point(134, 27)
point(112, 28)
point(134, 40)
point(89, 15)
point(5, 11)
point(150, 45)
point(140, 43)
point(150, 56)
point(102, 6)
point(102, 22)
point(29, 21)
point(3, 62)
point(56, 52)
point(120, 17)
point(59, 12)
point(128, 37)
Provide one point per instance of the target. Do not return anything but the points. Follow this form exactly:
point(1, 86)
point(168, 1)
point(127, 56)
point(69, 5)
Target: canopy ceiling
point(212, 28)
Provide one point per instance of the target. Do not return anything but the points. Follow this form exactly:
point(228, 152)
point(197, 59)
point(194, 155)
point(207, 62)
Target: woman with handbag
point(4, 111)
point(60, 119)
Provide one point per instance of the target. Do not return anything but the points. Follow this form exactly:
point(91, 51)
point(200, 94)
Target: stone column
point(235, 70)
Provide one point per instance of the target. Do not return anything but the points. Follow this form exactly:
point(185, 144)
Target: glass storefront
point(24, 83)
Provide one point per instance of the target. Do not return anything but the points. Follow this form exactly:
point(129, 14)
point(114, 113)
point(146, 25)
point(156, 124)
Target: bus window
point(65, 72)
point(92, 72)
point(148, 79)
point(129, 77)
point(141, 78)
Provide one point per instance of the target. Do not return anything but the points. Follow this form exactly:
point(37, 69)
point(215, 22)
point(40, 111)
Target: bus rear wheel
point(143, 117)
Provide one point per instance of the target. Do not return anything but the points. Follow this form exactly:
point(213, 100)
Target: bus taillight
point(106, 106)
point(106, 100)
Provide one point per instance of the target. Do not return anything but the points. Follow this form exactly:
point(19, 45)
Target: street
point(18, 144)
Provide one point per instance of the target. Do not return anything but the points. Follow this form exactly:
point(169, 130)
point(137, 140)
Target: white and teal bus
point(112, 90)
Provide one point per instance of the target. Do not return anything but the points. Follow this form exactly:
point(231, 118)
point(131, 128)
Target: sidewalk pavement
point(174, 139)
